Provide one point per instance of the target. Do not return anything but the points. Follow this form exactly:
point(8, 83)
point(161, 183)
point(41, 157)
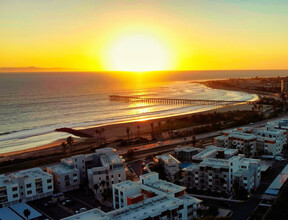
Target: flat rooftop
point(62, 168)
point(165, 186)
point(26, 174)
point(207, 152)
point(126, 184)
point(91, 214)
point(278, 182)
point(147, 208)
point(218, 163)
point(168, 159)
point(244, 136)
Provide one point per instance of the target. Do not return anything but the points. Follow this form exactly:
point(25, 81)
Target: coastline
point(111, 132)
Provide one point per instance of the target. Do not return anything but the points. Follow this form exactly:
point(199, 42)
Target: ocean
point(32, 106)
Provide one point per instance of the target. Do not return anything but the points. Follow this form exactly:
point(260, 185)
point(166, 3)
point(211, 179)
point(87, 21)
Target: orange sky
point(142, 35)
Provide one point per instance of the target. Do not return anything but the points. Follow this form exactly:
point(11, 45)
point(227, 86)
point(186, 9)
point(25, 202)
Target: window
point(14, 189)
point(29, 192)
point(49, 181)
point(75, 181)
point(28, 185)
point(15, 195)
point(49, 187)
point(111, 176)
point(119, 175)
point(74, 174)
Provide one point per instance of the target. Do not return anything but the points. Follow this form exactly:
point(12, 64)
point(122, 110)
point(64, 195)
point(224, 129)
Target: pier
point(176, 101)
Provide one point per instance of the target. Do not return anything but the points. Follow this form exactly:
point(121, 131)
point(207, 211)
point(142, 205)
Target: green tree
point(64, 146)
point(128, 132)
point(26, 213)
point(138, 129)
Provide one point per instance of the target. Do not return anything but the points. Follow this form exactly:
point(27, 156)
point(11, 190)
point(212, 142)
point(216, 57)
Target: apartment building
point(150, 198)
point(214, 152)
point(65, 178)
point(171, 166)
point(185, 154)
point(25, 186)
point(107, 169)
point(219, 175)
point(254, 142)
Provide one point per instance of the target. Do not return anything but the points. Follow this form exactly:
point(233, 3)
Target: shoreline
point(111, 133)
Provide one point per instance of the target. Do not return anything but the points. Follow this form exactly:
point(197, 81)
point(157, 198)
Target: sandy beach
point(111, 132)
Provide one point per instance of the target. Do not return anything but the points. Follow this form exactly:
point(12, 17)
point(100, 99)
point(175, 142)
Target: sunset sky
point(140, 35)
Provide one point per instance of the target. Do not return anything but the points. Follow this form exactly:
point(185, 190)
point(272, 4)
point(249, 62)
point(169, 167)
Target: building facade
point(25, 186)
point(108, 169)
point(220, 175)
point(65, 178)
point(171, 166)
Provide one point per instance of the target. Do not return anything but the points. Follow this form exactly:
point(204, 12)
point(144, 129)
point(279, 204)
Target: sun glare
point(138, 53)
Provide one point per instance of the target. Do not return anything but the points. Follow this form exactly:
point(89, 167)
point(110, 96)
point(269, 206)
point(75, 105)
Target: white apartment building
point(81, 162)
point(219, 175)
point(107, 169)
point(254, 142)
point(65, 178)
point(150, 198)
point(24, 186)
point(170, 164)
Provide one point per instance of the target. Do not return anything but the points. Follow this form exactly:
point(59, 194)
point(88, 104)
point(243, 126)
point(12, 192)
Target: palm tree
point(138, 129)
point(194, 141)
point(102, 132)
point(26, 213)
point(97, 132)
point(159, 125)
point(70, 141)
point(64, 146)
point(128, 131)
point(152, 126)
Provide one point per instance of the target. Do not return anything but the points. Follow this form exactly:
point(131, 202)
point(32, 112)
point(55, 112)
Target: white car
point(278, 158)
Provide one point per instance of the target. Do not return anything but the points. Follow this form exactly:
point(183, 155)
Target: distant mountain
point(33, 69)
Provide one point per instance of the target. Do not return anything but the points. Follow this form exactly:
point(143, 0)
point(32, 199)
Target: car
point(82, 210)
point(278, 158)
point(68, 202)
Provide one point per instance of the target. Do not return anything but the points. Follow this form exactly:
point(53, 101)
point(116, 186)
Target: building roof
point(91, 214)
point(126, 185)
point(243, 136)
point(26, 174)
point(141, 210)
point(20, 207)
point(168, 159)
point(61, 168)
point(278, 182)
point(206, 153)
point(217, 163)
point(165, 186)
point(8, 214)
point(148, 208)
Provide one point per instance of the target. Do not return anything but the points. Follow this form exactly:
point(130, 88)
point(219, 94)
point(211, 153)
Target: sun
point(138, 53)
